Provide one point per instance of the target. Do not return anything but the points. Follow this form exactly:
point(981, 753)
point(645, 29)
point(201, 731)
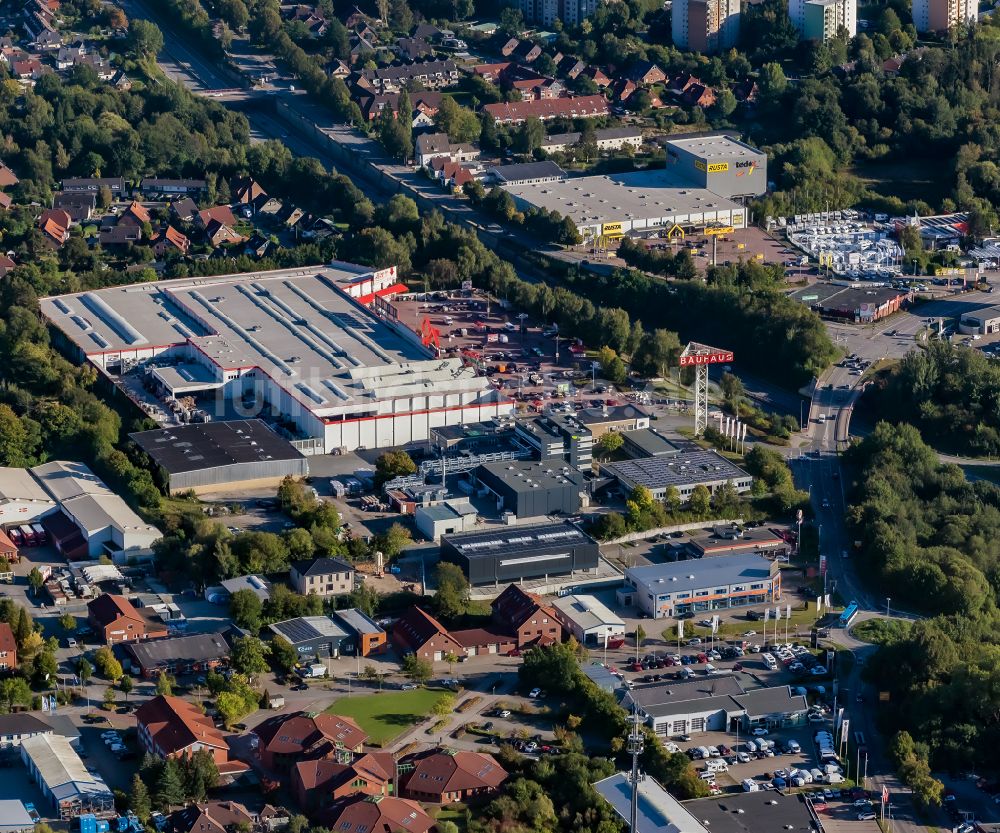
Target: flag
point(885, 794)
point(52, 703)
point(777, 614)
point(715, 624)
point(767, 614)
point(788, 612)
point(680, 628)
point(45, 703)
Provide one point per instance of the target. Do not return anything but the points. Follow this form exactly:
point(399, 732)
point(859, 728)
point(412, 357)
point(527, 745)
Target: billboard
point(711, 167)
point(719, 230)
point(611, 230)
point(718, 357)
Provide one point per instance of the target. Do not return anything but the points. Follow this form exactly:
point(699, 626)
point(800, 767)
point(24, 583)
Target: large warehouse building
point(292, 342)
point(695, 190)
point(684, 471)
point(513, 554)
point(205, 455)
point(531, 489)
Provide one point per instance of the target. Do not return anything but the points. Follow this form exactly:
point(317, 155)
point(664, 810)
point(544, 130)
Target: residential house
point(247, 191)
point(170, 727)
point(6, 201)
point(19, 726)
point(116, 620)
point(570, 67)
point(322, 576)
point(8, 179)
point(597, 75)
point(361, 46)
point(27, 70)
point(321, 781)
point(184, 209)
point(339, 69)
point(610, 138)
point(170, 240)
point(412, 49)
point(451, 175)
point(432, 74)
point(122, 234)
point(417, 632)
point(446, 776)
point(376, 814)
point(135, 215)
point(746, 91)
point(79, 205)
point(645, 73)
point(572, 107)
point(8, 648)
point(120, 81)
point(212, 817)
point(219, 234)
point(6, 264)
point(288, 738)
point(492, 72)
point(437, 145)
point(623, 89)
point(54, 225)
point(526, 52)
point(115, 184)
point(67, 55)
point(509, 47)
point(522, 613)
point(158, 188)
point(698, 95)
point(310, 17)
point(258, 245)
point(220, 213)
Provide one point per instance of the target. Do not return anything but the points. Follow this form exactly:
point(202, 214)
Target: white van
point(834, 778)
point(750, 786)
point(703, 753)
point(707, 775)
point(752, 746)
point(770, 662)
point(717, 765)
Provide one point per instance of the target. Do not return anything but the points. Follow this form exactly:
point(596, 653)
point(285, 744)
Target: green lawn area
point(383, 716)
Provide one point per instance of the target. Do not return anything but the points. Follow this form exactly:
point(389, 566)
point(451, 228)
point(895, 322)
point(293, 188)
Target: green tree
point(108, 664)
point(283, 653)
point(231, 707)
point(14, 691)
point(248, 656)
point(701, 500)
point(417, 669)
point(393, 541)
point(245, 608)
point(145, 40)
point(16, 445)
point(609, 443)
point(110, 701)
point(84, 670)
point(393, 464)
point(139, 801)
point(164, 684)
point(452, 597)
point(444, 705)
point(170, 785)
point(36, 580)
point(126, 685)
point(67, 622)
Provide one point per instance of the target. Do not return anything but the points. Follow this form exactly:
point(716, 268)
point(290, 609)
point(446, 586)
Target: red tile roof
point(571, 107)
point(109, 608)
point(377, 814)
point(222, 214)
point(211, 817)
point(326, 774)
point(7, 642)
point(305, 732)
point(7, 176)
point(441, 771)
point(174, 725)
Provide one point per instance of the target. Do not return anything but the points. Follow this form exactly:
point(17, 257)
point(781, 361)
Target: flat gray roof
point(984, 313)
point(588, 612)
point(682, 469)
point(358, 620)
point(297, 325)
point(710, 147)
point(683, 691)
point(695, 574)
point(648, 442)
point(614, 197)
point(766, 811)
point(528, 475)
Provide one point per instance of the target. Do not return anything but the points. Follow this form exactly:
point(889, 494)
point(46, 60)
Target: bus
point(850, 612)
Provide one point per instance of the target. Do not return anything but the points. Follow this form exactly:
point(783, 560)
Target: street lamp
point(887, 600)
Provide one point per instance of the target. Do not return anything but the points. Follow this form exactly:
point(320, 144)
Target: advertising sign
point(611, 229)
point(712, 167)
point(720, 357)
point(719, 230)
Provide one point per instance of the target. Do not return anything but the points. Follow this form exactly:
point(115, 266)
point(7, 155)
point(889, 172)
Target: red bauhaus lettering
point(707, 358)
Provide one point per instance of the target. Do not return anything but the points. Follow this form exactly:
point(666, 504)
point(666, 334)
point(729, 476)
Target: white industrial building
point(63, 778)
point(299, 345)
point(83, 517)
point(447, 518)
point(589, 620)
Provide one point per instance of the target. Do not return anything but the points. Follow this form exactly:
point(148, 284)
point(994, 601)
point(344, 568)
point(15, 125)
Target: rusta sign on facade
point(715, 357)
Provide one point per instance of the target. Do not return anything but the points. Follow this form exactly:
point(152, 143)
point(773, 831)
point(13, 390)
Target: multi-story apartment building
point(941, 15)
point(706, 26)
point(545, 12)
point(822, 19)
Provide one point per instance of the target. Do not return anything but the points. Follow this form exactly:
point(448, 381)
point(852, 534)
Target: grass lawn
point(383, 716)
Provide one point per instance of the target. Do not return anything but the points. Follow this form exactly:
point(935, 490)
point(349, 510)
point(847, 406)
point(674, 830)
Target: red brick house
point(287, 738)
point(417, 632)
point(211, 817)
point(170, 727)
point(521, 613)
point(444, 776)
point(8, 648)
point(646, 73)
point(376, 814)
point(319, 782)
point(116, 620)
point(170, 240)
